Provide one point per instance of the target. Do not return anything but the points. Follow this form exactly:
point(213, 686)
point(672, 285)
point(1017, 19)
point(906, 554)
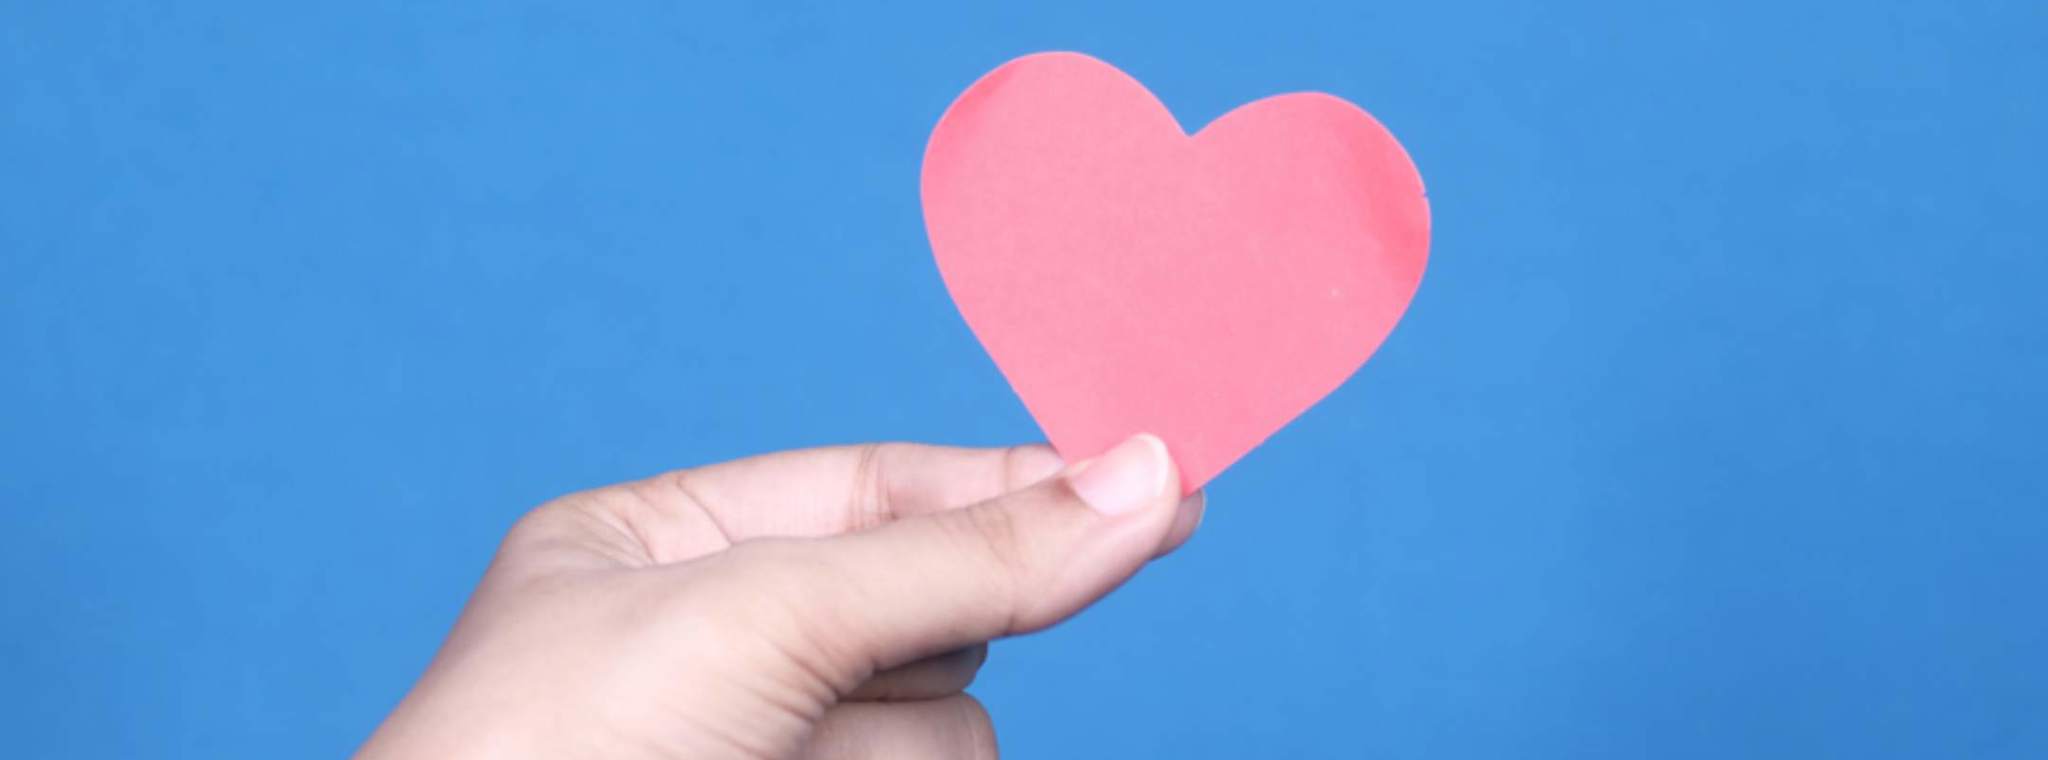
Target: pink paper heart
point(1128, 278)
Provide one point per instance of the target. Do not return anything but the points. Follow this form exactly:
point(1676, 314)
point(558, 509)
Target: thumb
point(1014, 564)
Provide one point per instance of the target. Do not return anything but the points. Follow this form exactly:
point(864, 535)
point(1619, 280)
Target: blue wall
point(1714, 431)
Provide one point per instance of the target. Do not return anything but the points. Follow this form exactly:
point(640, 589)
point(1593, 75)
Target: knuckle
point(547, 524)
point(590, 520)
point(869, 498)
point(994, 532)
point(992, 539)
point(546, 517)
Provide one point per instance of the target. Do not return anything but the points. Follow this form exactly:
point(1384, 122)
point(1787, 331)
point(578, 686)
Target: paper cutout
point(1128, 278)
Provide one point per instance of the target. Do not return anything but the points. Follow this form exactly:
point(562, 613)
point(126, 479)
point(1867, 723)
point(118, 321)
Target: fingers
point(828, 491)
point(930, 678)
point(949, 579)
point(953, 728)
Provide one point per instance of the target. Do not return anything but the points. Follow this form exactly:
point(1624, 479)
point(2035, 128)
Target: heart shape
point(1127, 277)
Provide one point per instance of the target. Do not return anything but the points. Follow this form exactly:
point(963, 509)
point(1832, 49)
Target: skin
point(823, 604)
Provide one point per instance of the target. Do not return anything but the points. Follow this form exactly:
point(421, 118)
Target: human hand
point(831, 603)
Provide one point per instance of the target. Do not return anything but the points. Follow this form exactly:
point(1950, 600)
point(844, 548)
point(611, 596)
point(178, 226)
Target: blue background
point(1714, 430)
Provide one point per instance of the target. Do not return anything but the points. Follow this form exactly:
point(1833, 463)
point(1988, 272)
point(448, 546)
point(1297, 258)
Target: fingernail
point(1125, 478)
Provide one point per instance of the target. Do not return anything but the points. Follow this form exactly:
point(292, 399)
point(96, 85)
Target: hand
point(830, 603)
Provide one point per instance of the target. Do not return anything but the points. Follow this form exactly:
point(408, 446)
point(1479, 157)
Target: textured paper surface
point(1128, 278)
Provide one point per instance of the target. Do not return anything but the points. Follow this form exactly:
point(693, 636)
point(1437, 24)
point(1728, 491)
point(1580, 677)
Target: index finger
point(842, 489)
